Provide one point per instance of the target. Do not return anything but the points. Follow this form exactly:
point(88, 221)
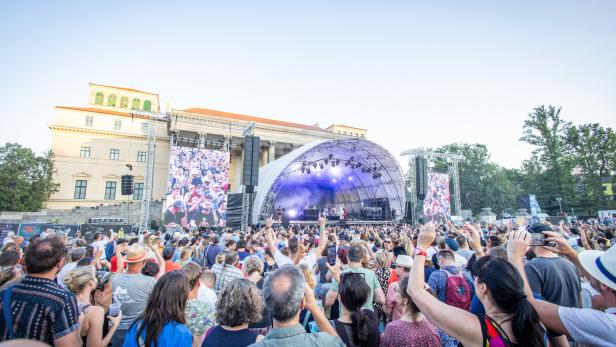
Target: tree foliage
point(568, 161)
point(26, 180)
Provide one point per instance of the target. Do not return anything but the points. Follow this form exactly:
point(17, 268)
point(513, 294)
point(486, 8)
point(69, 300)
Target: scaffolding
point(148, 180)
point(452, 170)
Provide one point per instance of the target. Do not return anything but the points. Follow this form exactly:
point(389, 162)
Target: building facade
point(97, 144)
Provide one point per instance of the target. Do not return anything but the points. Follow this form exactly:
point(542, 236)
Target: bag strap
point(6, 311)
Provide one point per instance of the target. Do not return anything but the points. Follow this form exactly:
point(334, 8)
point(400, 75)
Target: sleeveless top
point(493, 334)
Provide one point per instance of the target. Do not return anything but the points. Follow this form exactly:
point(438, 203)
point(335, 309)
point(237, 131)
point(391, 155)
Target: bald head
point(283, 291)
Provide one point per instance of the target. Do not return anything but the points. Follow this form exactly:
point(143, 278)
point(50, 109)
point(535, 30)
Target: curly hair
point(239, 302)
point(252, 264)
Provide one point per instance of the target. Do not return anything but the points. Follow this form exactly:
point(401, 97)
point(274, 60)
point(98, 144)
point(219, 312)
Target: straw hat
point(600, 265)
point(136, 253)
point(404, 261)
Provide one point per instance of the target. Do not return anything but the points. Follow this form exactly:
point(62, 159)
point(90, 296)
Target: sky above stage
point(413, 74)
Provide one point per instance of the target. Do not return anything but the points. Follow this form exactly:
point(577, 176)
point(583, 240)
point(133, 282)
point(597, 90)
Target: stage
point(340, 222)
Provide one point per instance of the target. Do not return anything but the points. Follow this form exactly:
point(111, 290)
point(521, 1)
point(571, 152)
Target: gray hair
point(238, 303)
point(283, 291)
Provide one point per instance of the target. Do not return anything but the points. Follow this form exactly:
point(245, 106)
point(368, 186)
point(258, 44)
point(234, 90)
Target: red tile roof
point(345, 126)
point(208, 112)
point(98, 110)
point(127, 89)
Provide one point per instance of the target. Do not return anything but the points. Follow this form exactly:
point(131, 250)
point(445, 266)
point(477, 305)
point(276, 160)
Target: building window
point(138, 191)
point(147, 105)
point(124, 102)
point(111, 100)
point(80, 189)
point(98, 100)
point(141, 157)
point(84, 152)
point(114, 154)
point(136, 104)
point(89, 121)
point(117, 124)
point(110, 190)
point(144, 128)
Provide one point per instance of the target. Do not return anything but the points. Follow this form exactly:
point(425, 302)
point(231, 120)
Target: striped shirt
point(41, 310)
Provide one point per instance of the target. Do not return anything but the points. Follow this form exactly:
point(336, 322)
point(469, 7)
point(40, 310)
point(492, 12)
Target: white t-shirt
point(206, 295)
point(590, 327)
point(432, 250)
point(460, 260)
point(99, 246)
point(282, 259)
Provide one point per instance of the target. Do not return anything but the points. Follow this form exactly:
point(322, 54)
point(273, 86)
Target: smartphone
point(331, 255)
point(537, 239)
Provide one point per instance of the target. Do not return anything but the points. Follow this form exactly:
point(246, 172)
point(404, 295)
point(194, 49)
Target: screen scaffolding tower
point(428, 154)
point(148, 180)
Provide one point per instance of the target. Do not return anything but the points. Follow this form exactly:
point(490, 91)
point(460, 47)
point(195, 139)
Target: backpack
point(457, 291)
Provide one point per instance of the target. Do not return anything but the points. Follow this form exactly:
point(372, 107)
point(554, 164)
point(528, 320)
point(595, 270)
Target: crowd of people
point(198, 183)
point(386, 285)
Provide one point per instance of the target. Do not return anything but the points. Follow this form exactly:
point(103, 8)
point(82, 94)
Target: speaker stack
point(127, 184)
point(421, 177)
point(250, 174)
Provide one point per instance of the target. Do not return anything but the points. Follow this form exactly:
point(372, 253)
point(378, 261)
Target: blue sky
point(414, 74)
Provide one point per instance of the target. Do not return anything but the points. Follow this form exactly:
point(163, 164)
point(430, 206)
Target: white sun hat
point(600, 265)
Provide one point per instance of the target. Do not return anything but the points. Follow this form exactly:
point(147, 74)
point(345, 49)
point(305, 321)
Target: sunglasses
point(387, 241)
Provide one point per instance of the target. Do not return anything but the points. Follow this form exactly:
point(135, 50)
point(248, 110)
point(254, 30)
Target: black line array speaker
point(408, 216)
point(250, 174)
point(127, 184)
point(421, 177)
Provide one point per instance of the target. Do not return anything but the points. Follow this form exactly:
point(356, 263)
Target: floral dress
point(382, 274)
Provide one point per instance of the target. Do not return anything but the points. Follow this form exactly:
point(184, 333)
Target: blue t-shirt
point(174, 334)
point(219, 337)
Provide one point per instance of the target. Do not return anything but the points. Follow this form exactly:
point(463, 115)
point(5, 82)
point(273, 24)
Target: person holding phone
point(553, 277)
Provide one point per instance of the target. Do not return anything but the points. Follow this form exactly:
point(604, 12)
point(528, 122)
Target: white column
point(271, 156)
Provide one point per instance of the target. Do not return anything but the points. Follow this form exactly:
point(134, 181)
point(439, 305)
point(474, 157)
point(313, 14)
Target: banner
point(437, 204)
point(197, 188)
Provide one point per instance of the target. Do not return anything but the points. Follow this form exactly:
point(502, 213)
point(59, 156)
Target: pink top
point(394, 302)
point(410, 334)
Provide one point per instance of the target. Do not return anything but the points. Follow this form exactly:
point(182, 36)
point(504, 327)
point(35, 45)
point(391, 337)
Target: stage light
point(314, 165)
point(326, 161)
point(337, 161)
point(303, 169)
point(335, 171)
point(331, 156)
point(321, 166)
point(292, 213)
point(334, 180)
point(350, 178)
point(358, 165)
point(308, 171)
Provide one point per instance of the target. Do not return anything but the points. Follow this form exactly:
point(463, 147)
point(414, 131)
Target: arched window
point(111, 100)
point(147, 105)
point(136, 104)
point(124, 102)
point(99, 98)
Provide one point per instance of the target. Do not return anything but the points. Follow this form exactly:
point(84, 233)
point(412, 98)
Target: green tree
point(551, 164)
point(26, 180)
point(482, 183)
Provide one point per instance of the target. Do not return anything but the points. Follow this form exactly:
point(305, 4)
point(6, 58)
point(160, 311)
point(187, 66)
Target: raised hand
point(426, 236)
point(517, 245)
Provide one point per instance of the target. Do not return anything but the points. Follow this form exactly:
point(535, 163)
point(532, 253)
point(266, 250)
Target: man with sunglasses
point(355, 256)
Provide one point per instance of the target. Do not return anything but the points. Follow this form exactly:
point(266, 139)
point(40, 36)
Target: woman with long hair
point(382, 272)
point(162, 323)
point(82, 282)
point(510, 320)
point(239, 304)
point(412, 329)
point(357, 327)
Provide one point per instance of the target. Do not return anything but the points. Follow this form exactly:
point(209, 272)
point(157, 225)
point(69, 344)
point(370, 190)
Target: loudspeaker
point(421, 177)
point(250, 174)
point(408, 216)
point(127, 184)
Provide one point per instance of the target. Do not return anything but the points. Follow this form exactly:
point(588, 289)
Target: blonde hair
point(380, 259)
point(252, 264)
point(78, 279)
point(186, 253)
point(406, 242)
point(310, 281)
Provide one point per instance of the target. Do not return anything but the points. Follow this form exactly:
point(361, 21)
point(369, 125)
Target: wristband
point(419, 251)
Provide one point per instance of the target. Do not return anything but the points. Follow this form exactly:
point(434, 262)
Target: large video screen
point(197, 188)
point(437, 204)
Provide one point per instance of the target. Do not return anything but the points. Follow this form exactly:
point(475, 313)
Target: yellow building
point(94, 145)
